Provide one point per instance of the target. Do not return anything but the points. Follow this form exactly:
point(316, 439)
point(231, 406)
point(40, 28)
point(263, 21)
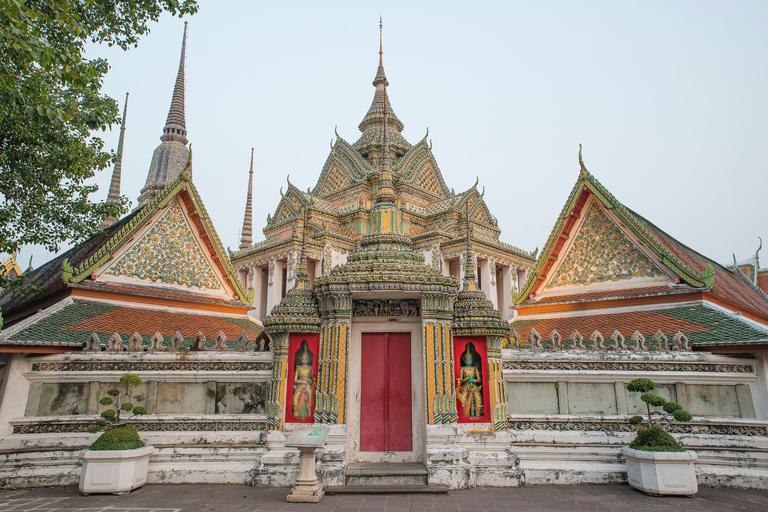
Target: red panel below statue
point(385, 398)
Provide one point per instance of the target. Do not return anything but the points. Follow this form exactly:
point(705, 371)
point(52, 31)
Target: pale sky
point(667, 97)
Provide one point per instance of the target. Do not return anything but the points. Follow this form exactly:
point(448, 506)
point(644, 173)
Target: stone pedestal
point(307, 488)
point(661, 473)
point(114, 471)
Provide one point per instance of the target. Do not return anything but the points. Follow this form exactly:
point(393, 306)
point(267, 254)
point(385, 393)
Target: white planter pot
point(659, 473)
point(114, 471)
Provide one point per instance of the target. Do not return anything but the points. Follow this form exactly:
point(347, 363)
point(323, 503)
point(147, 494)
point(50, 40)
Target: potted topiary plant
point(118, 461)
point(656, 463)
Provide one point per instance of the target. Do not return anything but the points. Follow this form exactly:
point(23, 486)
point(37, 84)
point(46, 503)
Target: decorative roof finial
point(374, 118)
point(114, 186)
point(581, 161)
point(246, 238)
point(302, 271)
point(385, 192)
point(469, 265)
point(175, 124)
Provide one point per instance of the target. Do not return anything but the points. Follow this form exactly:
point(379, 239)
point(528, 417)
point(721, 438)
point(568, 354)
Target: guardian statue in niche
point(303, 382)
point(470, 383)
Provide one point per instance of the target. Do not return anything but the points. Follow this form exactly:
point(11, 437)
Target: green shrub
point(121, 437)
point(654, 438)
point(641, 385)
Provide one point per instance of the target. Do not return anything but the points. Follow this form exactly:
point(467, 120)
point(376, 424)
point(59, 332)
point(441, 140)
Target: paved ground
point(223, 498)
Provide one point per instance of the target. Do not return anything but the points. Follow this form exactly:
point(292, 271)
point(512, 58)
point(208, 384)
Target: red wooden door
point(385, 397)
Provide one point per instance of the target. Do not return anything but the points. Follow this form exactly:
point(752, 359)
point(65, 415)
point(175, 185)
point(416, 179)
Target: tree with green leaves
point(119, 435)
point(653, 437)
point(51, 105)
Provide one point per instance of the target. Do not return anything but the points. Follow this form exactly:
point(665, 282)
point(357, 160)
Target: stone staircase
point(386, 478)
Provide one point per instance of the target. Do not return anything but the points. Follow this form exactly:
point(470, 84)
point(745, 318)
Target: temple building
point(382, 307)
point(339, 207)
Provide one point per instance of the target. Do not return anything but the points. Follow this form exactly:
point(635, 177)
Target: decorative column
point(335, 309)
point(496, 384)
point(439, 392)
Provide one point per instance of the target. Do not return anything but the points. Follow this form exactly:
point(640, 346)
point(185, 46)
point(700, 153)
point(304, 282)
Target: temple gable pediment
point(601, 253)
point(169, 251)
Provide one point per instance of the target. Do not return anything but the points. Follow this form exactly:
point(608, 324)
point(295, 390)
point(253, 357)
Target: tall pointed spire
point(175, 124)
point(114, 186)
point(302, 276)
point(375, 116)
point(171, 156)
point(246, 236)
point(470, 282)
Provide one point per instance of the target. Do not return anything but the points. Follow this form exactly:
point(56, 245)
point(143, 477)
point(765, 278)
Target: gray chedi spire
point(246, 235)
point(114, 186)
point(171, 156)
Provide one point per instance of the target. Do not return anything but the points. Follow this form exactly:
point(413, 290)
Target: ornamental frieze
point(151, 366)
point(624, 426)
point(627, 366)
point(146, 426)
point(386, 307)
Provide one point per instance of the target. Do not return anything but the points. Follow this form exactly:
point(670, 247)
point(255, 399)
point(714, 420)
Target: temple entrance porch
point(386, 382)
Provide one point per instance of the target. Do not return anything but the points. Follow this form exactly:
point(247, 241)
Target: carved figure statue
point(470, 390)
point(303, 381)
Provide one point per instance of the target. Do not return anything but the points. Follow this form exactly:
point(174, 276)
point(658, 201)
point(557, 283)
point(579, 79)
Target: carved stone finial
point(93, 343)
point(596, 341)
point(220, 341)
point(618, 340)
point(576, 339)
point(681, 342)
point(514, 337)
point(660, 341)
point(135, 342)
point(115, 343)
point(156, 342)
point(638, 341)
point(555, 340)
point(177, 342)
point(534, 339)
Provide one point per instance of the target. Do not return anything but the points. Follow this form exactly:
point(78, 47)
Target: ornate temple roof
point(384, 260)
point(72, 322)
point(700, 324)
point(690, 267)
point(372, 124)
point(171, 156)
point(598, 245)
point(77, 266)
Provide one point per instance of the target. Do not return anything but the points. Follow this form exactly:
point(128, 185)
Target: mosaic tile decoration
point(169, 253)
point(601, 252)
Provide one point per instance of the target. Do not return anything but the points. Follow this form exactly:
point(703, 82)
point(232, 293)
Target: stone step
point(389, 474)
point(387, 489)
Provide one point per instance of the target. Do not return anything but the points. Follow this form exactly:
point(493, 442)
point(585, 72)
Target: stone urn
point(661, 473)
point(114, 471)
